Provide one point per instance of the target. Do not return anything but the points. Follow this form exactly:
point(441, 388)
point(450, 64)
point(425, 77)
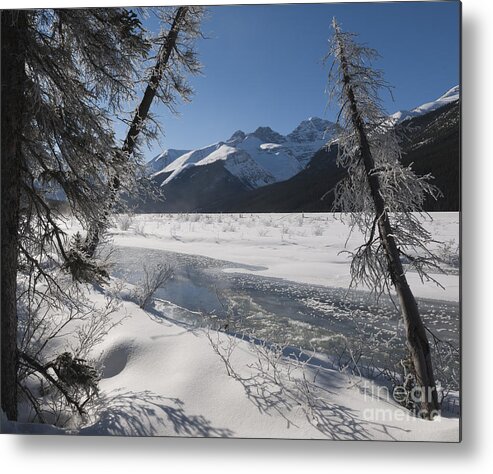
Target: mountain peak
point(310, 130)
point(260, 157)
point(239, 135)
point(450, 96)
point(267, 135)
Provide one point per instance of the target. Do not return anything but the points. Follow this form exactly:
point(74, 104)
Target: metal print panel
point(232, 221)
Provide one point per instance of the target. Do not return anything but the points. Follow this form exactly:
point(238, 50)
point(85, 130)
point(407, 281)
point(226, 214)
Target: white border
point(88, 455)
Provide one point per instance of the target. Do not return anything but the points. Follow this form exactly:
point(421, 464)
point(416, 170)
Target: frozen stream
point(308, 316)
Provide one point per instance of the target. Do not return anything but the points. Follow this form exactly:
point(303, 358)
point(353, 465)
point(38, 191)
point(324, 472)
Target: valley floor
point(166, 375)
point(305, 248)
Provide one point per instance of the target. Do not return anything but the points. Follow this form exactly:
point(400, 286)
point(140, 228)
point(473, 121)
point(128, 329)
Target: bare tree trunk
point(93, 234)
point(13, 83)
point(417, 340)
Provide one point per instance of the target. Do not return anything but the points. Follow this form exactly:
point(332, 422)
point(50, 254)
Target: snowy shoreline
point(162, 379)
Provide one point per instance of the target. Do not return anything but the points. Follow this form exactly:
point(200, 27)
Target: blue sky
point(263, 64)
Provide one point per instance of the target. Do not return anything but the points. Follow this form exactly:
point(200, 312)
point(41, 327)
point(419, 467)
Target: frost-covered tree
point(175, 58)
point(381, 197)
point(65, 74)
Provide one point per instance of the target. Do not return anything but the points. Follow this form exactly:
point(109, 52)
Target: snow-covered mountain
point(450, 96)
point(257, 159)
point(268, 168)
point(164, 159)
point(265, 171)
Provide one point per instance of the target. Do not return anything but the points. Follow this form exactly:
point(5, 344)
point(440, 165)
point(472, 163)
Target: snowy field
point(181, 368)
point(303, 248)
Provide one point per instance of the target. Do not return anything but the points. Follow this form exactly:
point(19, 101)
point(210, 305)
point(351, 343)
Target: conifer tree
point(175, 58)
point(65, 74)
point(381, 196)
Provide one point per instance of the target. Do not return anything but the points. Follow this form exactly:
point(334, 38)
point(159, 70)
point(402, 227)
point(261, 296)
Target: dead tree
point(171, 56)
point(381, 195)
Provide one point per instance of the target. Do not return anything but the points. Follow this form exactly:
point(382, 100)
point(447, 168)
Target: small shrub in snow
point(284, 231)
point(224, 347)
point(124, 221)
point(229, 228)
point(449, 253)
point(318, 231)
point(280, 377)
point(263, 232)
point(154, 277)
point(249, 223)
point(139, 229)
point(59, 386)
point(173, 231)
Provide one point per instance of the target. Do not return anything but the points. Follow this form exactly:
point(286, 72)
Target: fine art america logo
point(407, 398)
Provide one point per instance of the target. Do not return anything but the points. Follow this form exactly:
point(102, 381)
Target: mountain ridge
point(452, 95)
point(264, 171)
point(264, 154)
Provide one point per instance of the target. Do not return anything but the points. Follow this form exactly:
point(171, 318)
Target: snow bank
point(164, 379)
